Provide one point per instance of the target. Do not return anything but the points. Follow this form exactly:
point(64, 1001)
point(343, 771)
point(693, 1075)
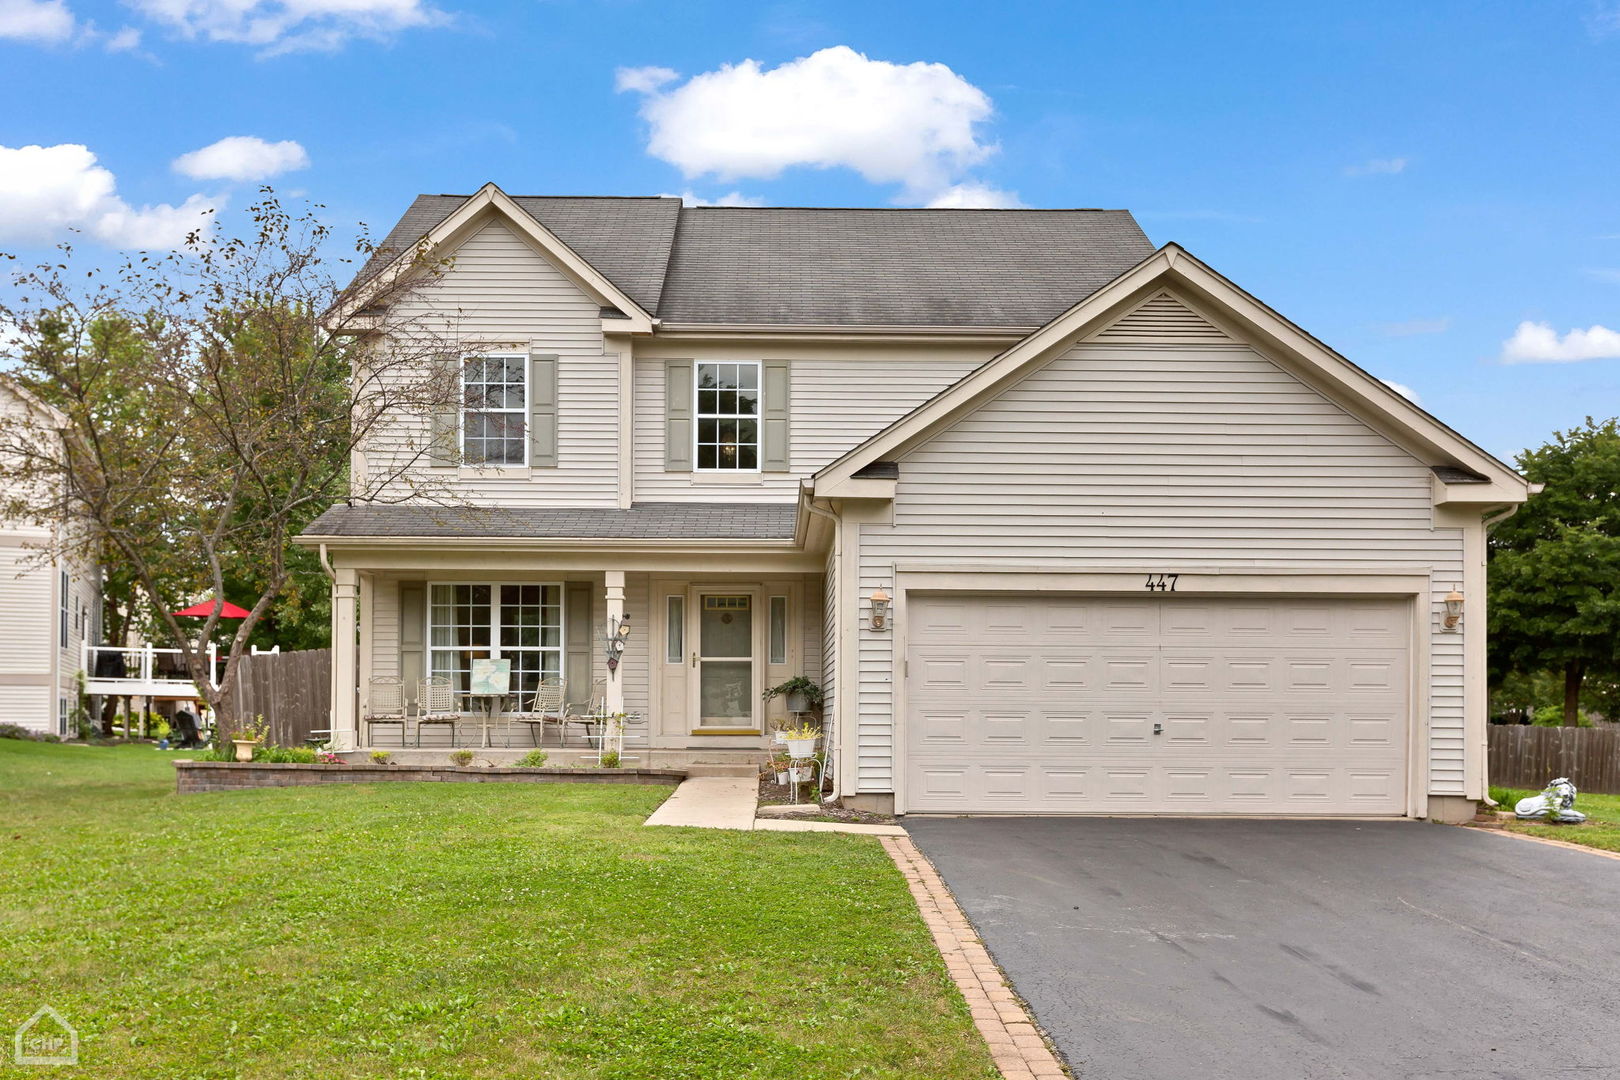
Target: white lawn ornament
point(1557, 803)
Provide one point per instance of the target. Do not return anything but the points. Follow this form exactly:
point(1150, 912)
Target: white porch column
point(615, 612)
point(345, 669)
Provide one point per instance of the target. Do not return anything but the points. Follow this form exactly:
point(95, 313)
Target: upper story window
point(63, 607)
point(727, 414)
point(495, 409)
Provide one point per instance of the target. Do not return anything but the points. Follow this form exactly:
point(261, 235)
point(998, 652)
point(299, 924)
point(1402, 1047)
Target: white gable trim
point(1231, 309)
point(490, 201)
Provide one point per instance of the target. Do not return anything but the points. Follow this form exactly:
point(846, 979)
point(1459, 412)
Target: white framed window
point(675, 629)
point(726, 435)
point(495, 409)
point(64, 715)
point(522, 623)
point(66, 601)
point(779, 620)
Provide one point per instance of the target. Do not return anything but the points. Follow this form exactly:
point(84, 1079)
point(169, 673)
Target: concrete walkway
point(729, 802)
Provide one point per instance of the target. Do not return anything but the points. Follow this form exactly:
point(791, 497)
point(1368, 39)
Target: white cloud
point(1539, 343)
point(730, 198)
point(125, 40)
point(1414, 327)
point(974, 196)
point(916, 124)
point(47, 21)
point(1402, 389)
point(46, 190)
point(642, 80)
point(1377, 167)
point(1604, 273)
point(242, 157)
point(282, 26)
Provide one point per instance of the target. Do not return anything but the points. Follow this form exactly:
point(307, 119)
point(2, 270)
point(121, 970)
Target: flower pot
point(244, 748)
point(800, 774)
point(798, 703)
point(801, 748)
point(782, 778)
point(779, 737)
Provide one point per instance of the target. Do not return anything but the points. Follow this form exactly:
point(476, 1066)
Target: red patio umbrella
point(227, 610)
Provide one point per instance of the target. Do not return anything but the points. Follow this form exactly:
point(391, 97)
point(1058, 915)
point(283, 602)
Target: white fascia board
point(467, 217)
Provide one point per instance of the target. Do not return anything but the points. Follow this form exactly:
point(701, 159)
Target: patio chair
point(588, 713)
point(436, 704)
point(545, 706)
point(385, 704)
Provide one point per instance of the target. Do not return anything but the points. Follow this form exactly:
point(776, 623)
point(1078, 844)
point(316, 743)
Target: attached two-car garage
point(1168, 703)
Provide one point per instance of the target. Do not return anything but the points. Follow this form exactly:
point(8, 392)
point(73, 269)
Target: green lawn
point(1600, 830)
point(451, 930)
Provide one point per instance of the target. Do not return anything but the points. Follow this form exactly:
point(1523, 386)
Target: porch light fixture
point(618, 633)
point(1453, 618)
point(880, 609)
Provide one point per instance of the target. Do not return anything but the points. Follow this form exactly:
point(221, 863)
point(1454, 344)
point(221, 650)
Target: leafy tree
point(207, 404)
point(1555, 565)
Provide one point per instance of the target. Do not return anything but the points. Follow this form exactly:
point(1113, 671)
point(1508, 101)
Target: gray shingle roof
point(627, 239)
point(830, 267)
point(643, 521)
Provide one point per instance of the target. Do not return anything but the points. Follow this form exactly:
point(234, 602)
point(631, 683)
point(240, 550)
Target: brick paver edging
point(1016, 1044)
point(191, 777)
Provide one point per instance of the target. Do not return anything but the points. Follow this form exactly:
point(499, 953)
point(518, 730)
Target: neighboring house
point(1147, 547)
point(48, 610)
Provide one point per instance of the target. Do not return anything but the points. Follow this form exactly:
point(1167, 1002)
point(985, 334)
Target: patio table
point(487, 705)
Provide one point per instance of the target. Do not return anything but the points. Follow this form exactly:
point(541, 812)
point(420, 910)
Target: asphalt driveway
point(1157, 949)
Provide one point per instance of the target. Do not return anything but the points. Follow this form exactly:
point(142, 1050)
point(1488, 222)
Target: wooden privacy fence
point(291, 690)
point(1528, 757)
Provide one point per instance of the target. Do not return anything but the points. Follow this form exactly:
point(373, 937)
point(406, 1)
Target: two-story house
point(50, 608)
point(1061, 522)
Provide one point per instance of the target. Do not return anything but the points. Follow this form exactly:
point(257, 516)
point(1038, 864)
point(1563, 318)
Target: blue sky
point(1409, 182)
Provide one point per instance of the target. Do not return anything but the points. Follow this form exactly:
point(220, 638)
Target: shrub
point(461, 757)
point(532, 760)
point(1553, 716)
point(17, 731)
point(284, 755)
point(610, 759)
point(381, 757)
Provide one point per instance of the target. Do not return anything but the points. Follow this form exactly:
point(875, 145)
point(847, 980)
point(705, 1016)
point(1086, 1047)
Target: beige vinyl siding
point(1162, 458)
point(840, 395)
point(27, 613)
point(810, 629)
point(502, 293)
point(32, 707)
point(385, 613)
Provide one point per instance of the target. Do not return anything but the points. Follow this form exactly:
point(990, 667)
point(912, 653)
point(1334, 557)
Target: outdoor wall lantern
point(880, 609)
point(1453, 619)
point(618, 633)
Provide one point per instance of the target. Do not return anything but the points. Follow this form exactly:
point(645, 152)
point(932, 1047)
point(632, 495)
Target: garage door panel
point(1261, 706)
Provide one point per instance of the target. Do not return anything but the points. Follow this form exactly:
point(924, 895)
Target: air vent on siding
point(1163, 320)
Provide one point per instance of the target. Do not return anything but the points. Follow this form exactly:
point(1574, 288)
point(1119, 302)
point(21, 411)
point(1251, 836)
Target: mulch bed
point(773, 794)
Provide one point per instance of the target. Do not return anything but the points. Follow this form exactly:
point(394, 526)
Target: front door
point(723, 688)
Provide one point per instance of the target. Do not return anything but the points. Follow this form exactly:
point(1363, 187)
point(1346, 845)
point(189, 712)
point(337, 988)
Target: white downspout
point(833, 753)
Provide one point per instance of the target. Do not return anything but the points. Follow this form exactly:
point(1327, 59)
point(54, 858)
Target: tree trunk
point(1574, 671)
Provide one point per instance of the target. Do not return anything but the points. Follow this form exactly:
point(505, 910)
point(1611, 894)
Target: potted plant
point(802, 694)
point(247, 740)
point(801, 740)
point(802, 771)
point(779, 766)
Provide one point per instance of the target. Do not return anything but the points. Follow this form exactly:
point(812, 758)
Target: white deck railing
point(144, 675)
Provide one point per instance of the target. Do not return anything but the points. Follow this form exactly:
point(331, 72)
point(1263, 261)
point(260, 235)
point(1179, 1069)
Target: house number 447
point(1162, 582)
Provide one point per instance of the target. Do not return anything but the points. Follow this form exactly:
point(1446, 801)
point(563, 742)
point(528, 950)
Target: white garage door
point(1170, 704)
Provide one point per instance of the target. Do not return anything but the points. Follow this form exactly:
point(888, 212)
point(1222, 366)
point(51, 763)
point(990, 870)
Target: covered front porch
point(682, 651)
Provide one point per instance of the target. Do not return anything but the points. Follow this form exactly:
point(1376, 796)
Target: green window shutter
point(542, 409)
point(678, 403)
point(412, 627)
point(444, 435)
point(577, 633)
point(774, 434)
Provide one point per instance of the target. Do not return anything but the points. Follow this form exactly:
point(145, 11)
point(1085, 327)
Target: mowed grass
point(451, 930)
point(1600, 830)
